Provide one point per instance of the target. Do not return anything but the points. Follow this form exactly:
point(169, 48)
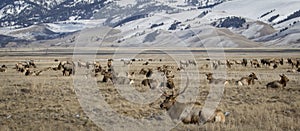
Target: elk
point(143, 71)
point(238, 62)
point(212, 80)
point(97, 68)
point(146, 63)
point(67, 67)
point(20, 67)
point(255, 63)
point(107, 76)
point(244, 62)
point(149, 73)
point(229, 63)
point(265, 62)
point(293, 62)
point(277, 61)
point(131, 77)
point(29, 64)
point(192, 62)
point(249, 80)
point(3, 68)
point(278, 83)
point(111, 75)
point(184, 63)
point(215, 65)
point(34, 73)
point(175, 109)
point(109, 63)
point(170, 82)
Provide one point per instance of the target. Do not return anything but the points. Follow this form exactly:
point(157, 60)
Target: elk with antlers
point(176, 109)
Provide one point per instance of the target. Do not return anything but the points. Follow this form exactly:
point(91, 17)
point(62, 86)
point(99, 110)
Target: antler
point(187, 84)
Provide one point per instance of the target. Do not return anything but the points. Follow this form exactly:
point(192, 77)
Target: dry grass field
point(49, 101)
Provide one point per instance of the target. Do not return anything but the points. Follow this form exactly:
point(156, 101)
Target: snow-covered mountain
point(193, 23)
point(23, 13)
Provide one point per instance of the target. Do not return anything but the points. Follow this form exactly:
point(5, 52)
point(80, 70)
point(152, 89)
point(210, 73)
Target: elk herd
point(174, 108)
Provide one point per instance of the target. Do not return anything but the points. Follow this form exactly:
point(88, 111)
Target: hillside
point(192, 23)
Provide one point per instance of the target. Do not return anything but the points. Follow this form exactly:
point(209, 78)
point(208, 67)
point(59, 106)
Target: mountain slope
point(24, 13)
point(193, 23)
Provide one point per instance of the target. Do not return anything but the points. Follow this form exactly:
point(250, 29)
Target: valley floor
point(52, 101)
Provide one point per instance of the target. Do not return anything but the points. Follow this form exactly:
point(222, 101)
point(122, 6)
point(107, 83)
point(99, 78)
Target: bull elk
point(175, 109)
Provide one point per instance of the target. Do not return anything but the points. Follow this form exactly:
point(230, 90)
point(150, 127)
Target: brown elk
point(107, 76)
point(109, 63)
point(149, 73)
point(112, 76)
point(212, 80)
point(175, 109)
point(34, 73)
point(249, 80)
point(255, 63)
point(279, 83)
point(229, 63)
point(265, 62)
point(3, 68)
point(68, 67)
point(244, 62)
point(293, 62)
point(146, 63)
